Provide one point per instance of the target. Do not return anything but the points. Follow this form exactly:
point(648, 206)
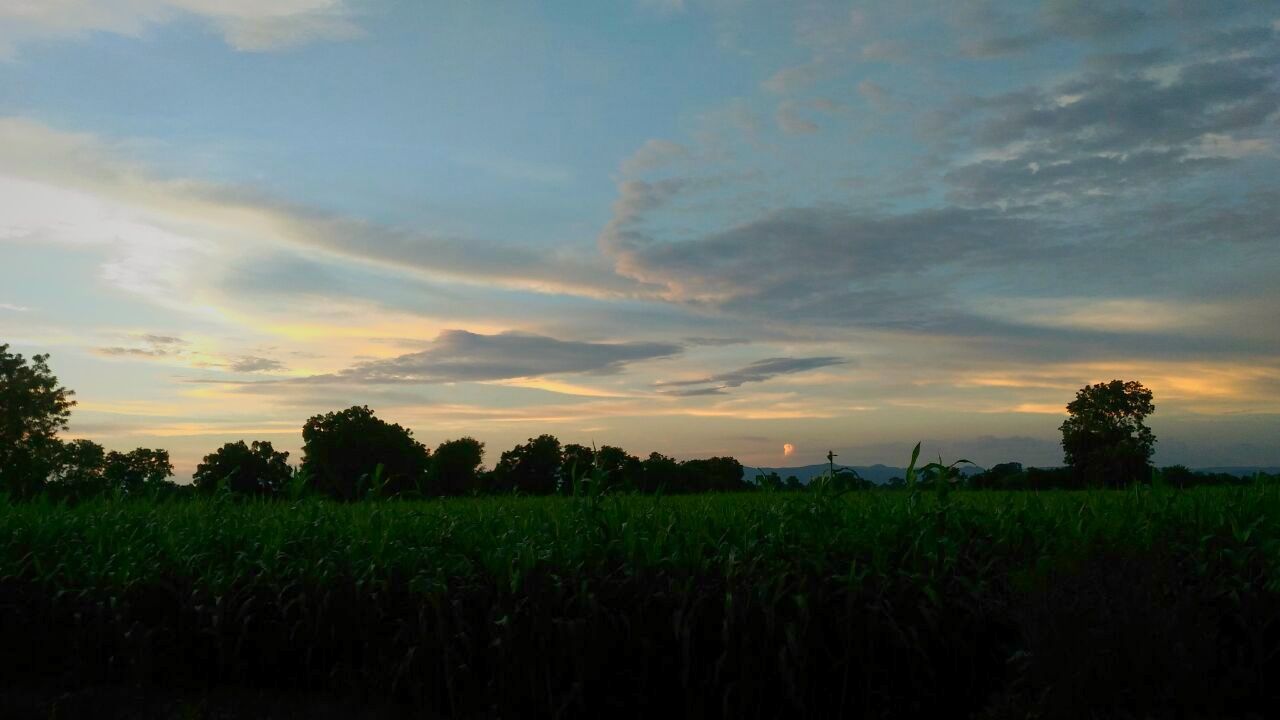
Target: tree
point(660, 472)
point(531, 468)
point(80, 469)
point(342, 450)
point(621, 469)
point(256, 469)
point(1104, 439)
point(137, 470)
point(716, 474)
point(455, 466)
point(33, 408)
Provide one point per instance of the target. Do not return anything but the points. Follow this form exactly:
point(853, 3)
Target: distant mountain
point(1238, 470)
point(881, 474)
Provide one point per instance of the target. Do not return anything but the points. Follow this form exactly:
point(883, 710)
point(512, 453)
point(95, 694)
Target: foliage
point(343, 449)
point(257, 469)
point(532, 468)
point(79, 472)
point(1104, 438)
point(744, 604)
point(33, 409)
point(455, 467)
point(136, 471)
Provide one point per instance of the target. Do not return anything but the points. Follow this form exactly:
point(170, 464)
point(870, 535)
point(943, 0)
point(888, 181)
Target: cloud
point(1090, 19)
point(794, 78)
point(716, 341)
point(756, 372)
point(243, 24)
point(118, 203)
point(821, 252)
point(251, 364)
point(10, 307)
point(791, 122)
point(1119, 127)
point(654, 154)
point(139, 352)
point(788, 449)
point(152, 346)
point(461, 356)
point(876, 94)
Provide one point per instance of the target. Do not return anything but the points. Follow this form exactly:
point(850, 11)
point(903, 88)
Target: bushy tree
point(716, 474)
point(33, 409)
point(257, 469)
point(79, 473)
point(575, 458)
point(455, 466)
point(621, 469)
point(137, 470)
point(342, 448)
point(660, 472)
point(1104, 438)
point(533, 467)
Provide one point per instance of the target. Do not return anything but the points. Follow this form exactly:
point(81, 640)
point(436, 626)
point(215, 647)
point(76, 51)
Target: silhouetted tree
point(533, 467)
point(715, 474)
point(455, 466)
point(999, 476)
point(793, 483)
point(256, 469)
point(660, 472)
point(342, 448)
point(770, 481)
point(137, 470)
point(1104, 439)
point(33, 408)
point(575, 458)
point(79, 473)
point(622, 470)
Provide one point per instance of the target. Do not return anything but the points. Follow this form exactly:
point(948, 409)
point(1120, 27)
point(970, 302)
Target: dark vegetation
point(933, 596)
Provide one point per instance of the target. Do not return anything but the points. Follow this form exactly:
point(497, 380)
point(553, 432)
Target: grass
point(1052, 604)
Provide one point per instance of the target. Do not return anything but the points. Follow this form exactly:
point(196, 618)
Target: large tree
point(80, 470)
point(33, 409)
point(1104, 438)
point(137, 470)
point(342, 451)
point(455, 466)
point(533, 467)
point(256, 469)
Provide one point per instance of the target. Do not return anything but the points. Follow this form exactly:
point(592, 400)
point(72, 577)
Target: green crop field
point(1057, 604)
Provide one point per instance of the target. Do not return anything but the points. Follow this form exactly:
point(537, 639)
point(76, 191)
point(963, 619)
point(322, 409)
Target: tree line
point(347, 455)
point(352, 454)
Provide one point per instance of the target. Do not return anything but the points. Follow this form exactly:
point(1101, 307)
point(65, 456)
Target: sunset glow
point(810, 226)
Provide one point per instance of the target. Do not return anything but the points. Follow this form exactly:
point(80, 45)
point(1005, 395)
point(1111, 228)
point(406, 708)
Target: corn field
point(1145, 602)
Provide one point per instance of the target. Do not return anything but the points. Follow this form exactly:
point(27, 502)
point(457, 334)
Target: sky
point(699, 227)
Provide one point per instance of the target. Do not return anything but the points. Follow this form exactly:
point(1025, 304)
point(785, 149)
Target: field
point(1137, 603)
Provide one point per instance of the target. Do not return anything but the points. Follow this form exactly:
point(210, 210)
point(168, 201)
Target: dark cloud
point(136, 352)
point(162, 340)
point(1088, 19)
point(1118, 126)
point(716, 341)
point(759, 371)
point(251, 364)
point(461, 356)
point(823, 252)
point(153, 346)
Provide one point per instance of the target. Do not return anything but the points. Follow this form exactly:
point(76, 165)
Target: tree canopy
point(33, 409)
point(455, 466)
point(1104, 438)
point(343, 450)
point(256, 469)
